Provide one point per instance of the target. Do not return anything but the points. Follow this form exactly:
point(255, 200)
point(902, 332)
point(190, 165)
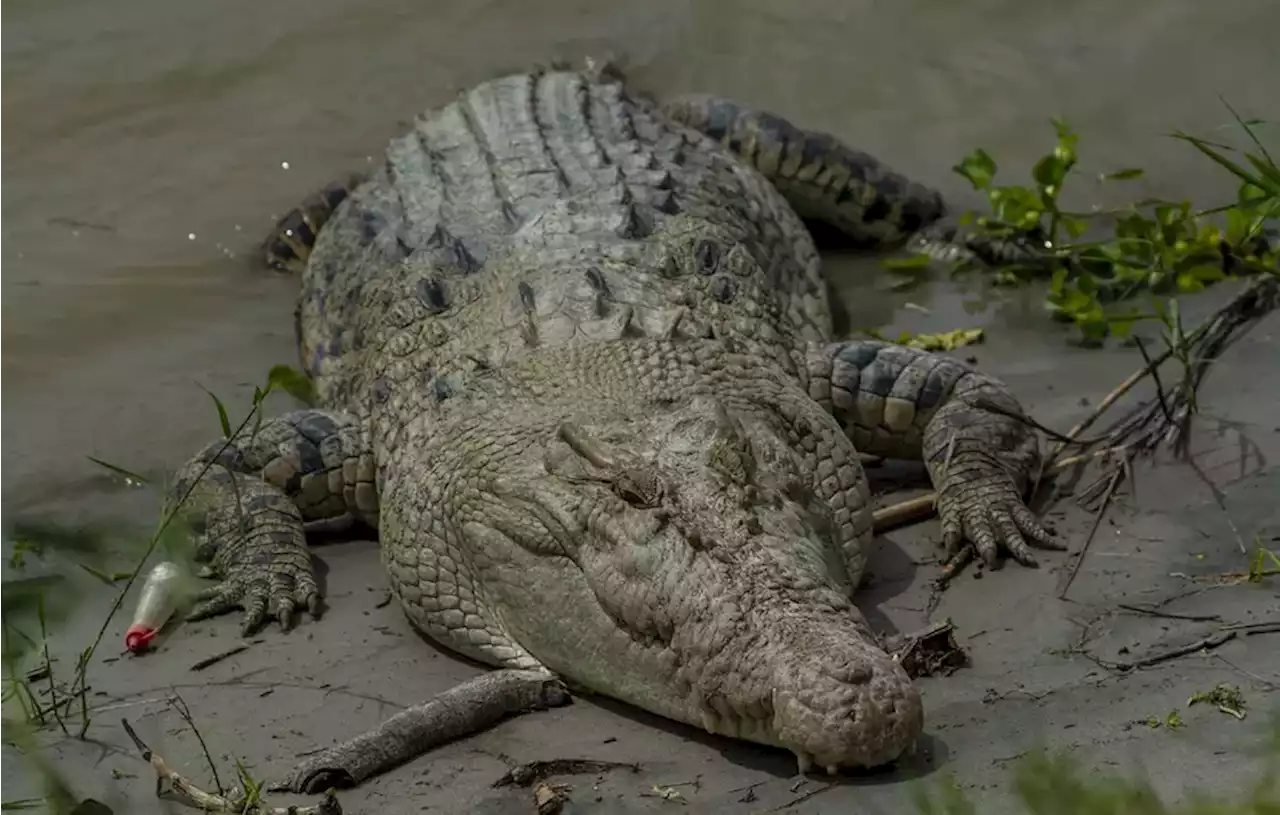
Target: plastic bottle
point(158, 601)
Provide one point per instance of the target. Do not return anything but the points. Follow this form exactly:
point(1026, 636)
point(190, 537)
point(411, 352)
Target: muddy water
point(145, 150)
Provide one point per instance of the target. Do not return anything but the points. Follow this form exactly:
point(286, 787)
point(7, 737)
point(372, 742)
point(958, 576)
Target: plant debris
point(930, 652)
point(944, 341)
point(549, 799)
point(528, 774)
point(1226, 698)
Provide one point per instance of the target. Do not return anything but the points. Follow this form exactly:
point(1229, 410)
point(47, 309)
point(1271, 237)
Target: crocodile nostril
point(852, 672)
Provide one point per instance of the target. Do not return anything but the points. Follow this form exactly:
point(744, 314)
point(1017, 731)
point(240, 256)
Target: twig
point(1220, 637)
point(799, 799)
point(1093, 530)
point(1270, 627)
point(208, 802)
point(216, 658)
point(1206, 643)
point(179, 704)
point(1151, 612)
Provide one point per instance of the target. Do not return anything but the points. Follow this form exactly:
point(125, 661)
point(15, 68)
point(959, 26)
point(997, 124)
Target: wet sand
point(144, 152)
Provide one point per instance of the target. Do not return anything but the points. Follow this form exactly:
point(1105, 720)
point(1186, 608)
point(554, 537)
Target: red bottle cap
point(138, 637)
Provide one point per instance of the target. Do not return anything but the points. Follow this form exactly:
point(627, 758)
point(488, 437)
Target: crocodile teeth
point(671, 322)
point(804, 761)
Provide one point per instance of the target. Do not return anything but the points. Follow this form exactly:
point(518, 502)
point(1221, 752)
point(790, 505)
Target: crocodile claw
point(984, 508)
point(276, 594)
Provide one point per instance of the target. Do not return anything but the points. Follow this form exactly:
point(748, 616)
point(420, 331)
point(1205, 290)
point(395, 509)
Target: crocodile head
point(685, 558)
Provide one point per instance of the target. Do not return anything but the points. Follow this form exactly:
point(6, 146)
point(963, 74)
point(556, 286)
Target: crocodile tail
point(289, 244)
point(823, 178)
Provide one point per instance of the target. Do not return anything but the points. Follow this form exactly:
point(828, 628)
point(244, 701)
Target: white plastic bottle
point(156, 604)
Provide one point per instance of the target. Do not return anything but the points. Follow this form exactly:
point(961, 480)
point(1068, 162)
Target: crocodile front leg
point(251, 502)
point(901, 402)
point(822, 178)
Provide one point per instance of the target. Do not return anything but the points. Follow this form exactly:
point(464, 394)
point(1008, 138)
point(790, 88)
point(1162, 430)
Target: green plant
point(1155, 247)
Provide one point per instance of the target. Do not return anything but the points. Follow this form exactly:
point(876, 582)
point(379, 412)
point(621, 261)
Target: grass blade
point(1229, 165)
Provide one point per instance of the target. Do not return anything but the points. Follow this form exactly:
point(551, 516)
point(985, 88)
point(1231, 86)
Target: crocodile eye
point(707, 253)
point(641, 487)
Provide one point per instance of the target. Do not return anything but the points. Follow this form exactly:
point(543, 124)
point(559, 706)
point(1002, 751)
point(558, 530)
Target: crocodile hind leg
point(982, 457)
point(823, 178)
point(250, 503)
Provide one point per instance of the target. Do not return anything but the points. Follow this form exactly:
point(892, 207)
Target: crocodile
point(572, 357)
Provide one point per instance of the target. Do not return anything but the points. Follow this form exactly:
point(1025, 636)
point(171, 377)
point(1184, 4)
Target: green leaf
point(979, 168)
point(909, 264)
point(1075, 226)
point(1188, 284)
point(223, 421)
point(945, 341)
point(1049, 172)
point(1272, 187)
point(1067, 138)
point(293, 382)
point(1127, 174)
point(1247, 126)
point(1268, 170)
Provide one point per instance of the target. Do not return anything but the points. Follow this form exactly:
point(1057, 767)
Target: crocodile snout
point(850, 707)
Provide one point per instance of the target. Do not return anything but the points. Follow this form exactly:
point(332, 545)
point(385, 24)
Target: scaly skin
point(573, 359)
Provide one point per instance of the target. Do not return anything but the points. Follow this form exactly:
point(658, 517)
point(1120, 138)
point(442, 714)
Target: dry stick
point(800, 799)
point(216, 658)
point(1211, 641)
point(1168, 615)
point(208, 802)
point(460, 711)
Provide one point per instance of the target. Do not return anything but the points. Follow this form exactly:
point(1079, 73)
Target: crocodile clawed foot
point(984, 508)
point(278, 595)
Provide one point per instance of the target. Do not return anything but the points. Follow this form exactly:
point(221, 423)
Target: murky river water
point(149, 145)
point(144, 148)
